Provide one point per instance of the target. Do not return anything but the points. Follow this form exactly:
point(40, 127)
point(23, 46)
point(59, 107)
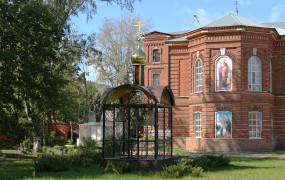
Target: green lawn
point(240, 169)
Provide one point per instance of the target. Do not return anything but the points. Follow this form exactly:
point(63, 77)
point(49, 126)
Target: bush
point(197, 171)
point(208, 161)
point(90, 158)
point(26, 146)
point(61, 158)
point(9, 144)
point(59, 150)
point(180, 169)
point(54, 163)
point(52, 139)
point(88, 145)
point(89, 153)
point(118, 167)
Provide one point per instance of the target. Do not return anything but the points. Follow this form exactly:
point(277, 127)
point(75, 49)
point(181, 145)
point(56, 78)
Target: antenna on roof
point(237, 3)
point(197, 19)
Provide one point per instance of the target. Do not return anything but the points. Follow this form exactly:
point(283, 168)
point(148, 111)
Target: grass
point(241, 168)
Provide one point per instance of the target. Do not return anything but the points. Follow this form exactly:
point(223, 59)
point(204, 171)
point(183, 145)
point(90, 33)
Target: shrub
point(61, 158)
point(59, 150)
point(87, 145)
point(180, 169)
point(90, 158)
point(54, 163)
point(9, 144)
point(208, 161)
point(118, 167)
point(197, 171)
point(89, 153)
point(26, 146)
point(52, 139)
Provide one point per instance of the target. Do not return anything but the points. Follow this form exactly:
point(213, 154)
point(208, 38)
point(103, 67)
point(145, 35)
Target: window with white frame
point(255, 124)
point(198, 76)
point(155, 79)
point(198, 125)
point(254, 74)
point(156, 56)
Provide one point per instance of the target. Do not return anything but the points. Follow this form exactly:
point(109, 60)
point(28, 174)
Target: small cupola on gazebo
point(137, 119)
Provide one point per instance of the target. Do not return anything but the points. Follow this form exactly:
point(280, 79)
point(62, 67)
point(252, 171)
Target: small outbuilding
point(137, 122)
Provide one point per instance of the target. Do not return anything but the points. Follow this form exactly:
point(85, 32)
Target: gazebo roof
point(160, 94)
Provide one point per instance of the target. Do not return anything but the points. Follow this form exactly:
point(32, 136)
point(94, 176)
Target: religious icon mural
point(223, 124)
point(224, 74)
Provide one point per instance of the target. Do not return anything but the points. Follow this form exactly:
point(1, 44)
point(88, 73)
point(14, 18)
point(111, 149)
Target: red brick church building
point(228, 79)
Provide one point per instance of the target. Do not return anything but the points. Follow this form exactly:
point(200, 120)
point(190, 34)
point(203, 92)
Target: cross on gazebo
point(138, 25)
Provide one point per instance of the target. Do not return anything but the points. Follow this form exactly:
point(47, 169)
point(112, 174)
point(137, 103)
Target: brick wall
point(177, 70)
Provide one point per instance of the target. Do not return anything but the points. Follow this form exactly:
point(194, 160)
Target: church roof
point(232, 20)
point(279, 26)
point(275, 25)
point(228, 21)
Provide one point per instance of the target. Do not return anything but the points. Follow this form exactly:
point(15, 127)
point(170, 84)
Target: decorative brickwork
point(176, 69)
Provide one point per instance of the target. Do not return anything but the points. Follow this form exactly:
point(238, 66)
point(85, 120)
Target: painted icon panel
point(223, 124)
point(224, 74)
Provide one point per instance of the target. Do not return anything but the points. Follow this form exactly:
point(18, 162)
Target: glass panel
point(155, 79)
point(254, 74)
point(156, 55)
point(198, 75)
point(255, 124)
point(197, 120)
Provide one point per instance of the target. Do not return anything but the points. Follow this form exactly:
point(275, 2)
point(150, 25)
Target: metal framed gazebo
point(137, 123)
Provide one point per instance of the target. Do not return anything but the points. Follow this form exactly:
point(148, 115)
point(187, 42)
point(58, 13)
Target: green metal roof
point(275, 25)
point(228, 21)
point(232, 20)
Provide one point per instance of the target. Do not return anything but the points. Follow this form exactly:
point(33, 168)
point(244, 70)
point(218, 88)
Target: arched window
point(223, 73)
point(254, 74)
point(198, 76)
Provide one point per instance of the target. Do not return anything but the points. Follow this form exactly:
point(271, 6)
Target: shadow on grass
point(232, 167)
point(15, 168)
point(90, 172)
point(251, 159)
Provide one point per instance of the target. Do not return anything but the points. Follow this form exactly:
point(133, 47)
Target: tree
point(35, 60)
point(117, 40)
point(39, 58)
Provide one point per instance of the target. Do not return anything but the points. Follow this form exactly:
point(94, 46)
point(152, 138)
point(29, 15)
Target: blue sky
point(177, 15)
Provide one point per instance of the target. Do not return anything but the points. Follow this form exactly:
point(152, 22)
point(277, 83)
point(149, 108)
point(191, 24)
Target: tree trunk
point(49, 128)
point(36, 138)
point(36, 144)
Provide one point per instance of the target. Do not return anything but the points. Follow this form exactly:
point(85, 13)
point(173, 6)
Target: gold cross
point(138, 25)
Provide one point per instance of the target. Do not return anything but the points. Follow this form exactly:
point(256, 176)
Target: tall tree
point(117, 41)
point(38, 61)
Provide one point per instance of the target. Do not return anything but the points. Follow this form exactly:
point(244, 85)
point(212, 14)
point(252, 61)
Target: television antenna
point(236, 4)
point(197, 19)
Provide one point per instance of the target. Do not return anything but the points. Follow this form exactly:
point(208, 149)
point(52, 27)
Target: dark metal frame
point(130, 146)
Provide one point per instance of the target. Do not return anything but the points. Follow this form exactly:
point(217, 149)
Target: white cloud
point(188, 21)
point(276, 12)
point(202, 16)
